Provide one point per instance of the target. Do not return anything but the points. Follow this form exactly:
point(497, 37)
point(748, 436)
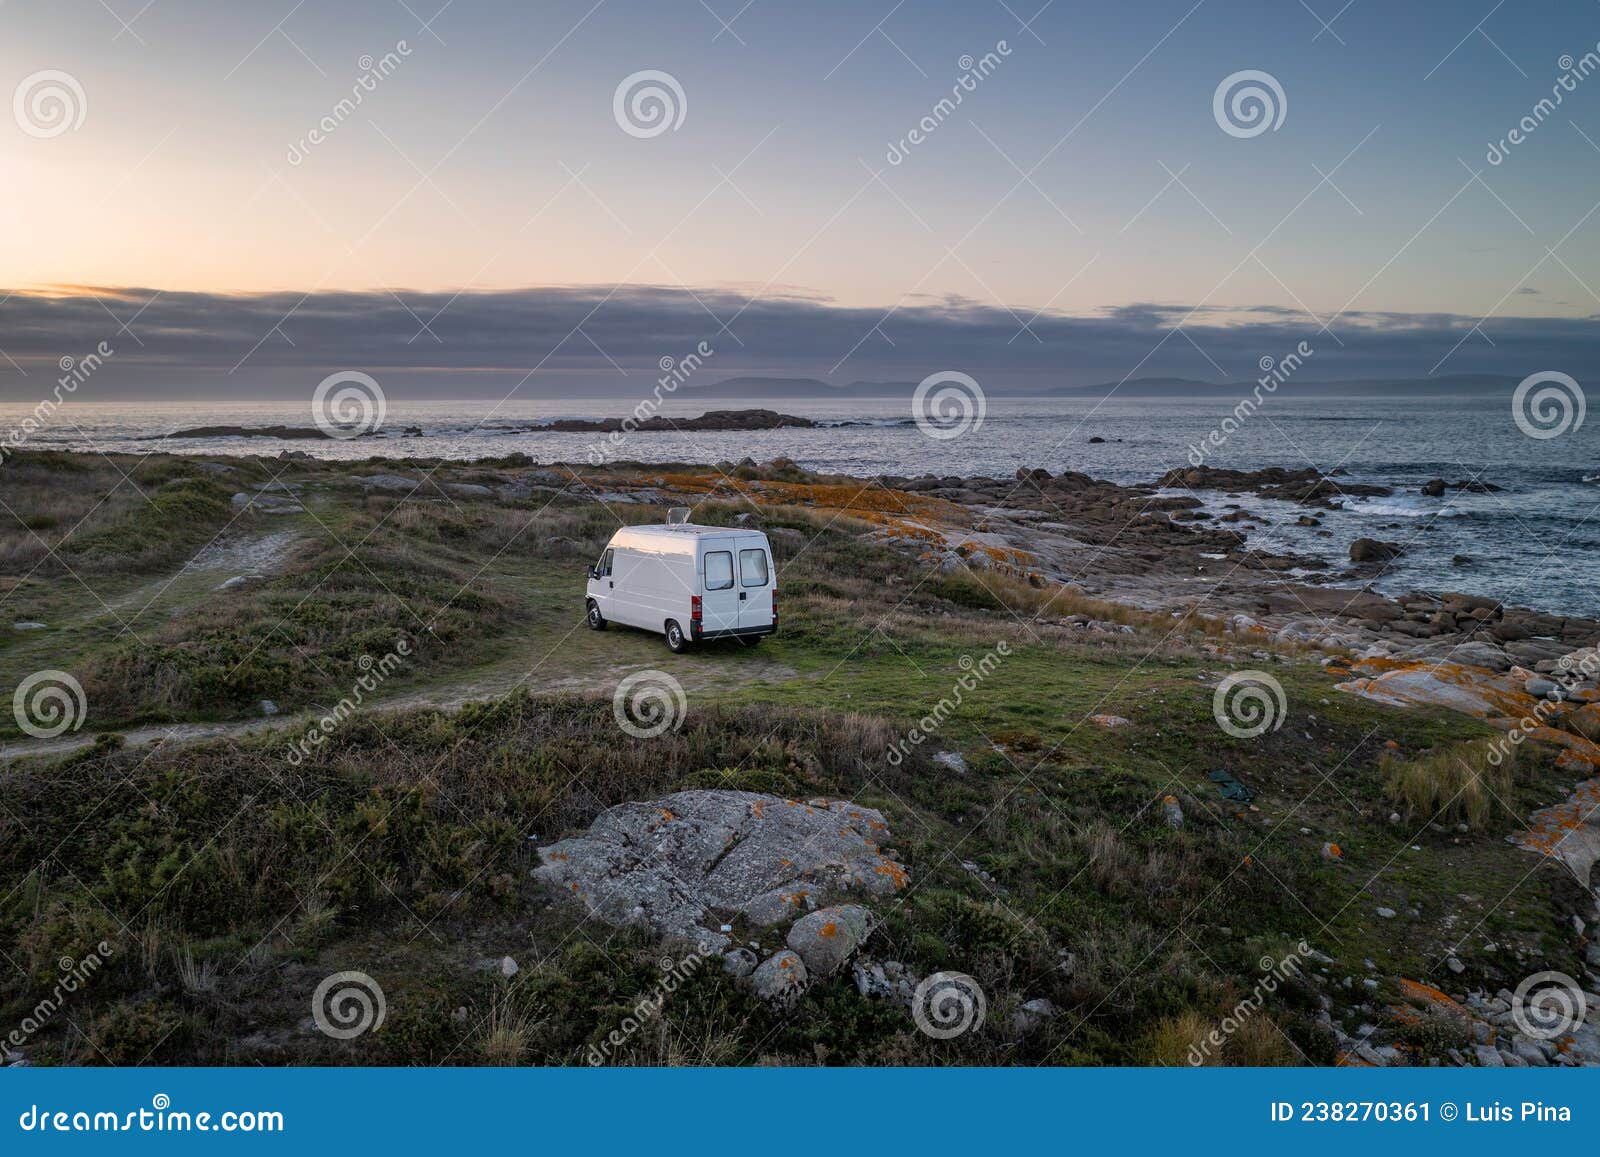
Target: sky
point(224, 200)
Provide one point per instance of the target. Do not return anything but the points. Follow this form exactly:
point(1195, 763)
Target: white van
point(687, 582)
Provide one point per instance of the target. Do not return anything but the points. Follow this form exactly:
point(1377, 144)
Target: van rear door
point(719, 606)
point(755, 583)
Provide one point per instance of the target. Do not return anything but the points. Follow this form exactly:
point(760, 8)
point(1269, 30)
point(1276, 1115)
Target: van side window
point(605, 563)
point(719, 570)
point(753, 568)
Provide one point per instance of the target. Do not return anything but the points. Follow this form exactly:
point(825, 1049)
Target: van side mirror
point(594, 571)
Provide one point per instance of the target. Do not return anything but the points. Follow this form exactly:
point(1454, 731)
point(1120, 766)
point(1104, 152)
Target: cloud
point(567, 340)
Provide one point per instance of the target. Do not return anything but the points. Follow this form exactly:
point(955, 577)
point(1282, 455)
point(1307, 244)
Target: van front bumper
point(701, 635)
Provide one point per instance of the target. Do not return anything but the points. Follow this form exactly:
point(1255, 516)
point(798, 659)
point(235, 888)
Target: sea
point(1534, 542)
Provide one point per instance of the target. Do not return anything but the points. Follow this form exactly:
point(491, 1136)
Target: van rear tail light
point(695, 611)
point(774, 606)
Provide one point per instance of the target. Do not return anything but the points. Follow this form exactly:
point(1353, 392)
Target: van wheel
point(676, 642)
point(597, 621)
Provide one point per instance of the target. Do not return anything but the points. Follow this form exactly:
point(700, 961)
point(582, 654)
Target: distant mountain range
point(814, 389)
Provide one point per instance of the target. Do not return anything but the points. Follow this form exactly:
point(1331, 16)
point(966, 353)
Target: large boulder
point(1469, 690)
point(669, 864)
point(828, 937)
point(1372, 550)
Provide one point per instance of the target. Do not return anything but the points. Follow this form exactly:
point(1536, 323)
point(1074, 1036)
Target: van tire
point(677, 641)
point(596, 621)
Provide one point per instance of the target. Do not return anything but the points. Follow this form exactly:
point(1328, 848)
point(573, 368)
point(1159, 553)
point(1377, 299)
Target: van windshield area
point(603, 568)
point(719, 570)
point(753, 568)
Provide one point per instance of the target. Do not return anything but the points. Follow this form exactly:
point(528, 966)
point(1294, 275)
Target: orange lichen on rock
point(894, 871)
point(828, 930)
point(1432, 999)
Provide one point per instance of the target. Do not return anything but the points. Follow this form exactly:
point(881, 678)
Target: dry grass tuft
point(1452, 784)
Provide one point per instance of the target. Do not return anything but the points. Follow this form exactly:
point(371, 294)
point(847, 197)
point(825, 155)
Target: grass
point(231, 879)
point(1455, 784)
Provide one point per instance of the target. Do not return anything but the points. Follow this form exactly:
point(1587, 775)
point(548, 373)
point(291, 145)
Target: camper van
point(690, 583)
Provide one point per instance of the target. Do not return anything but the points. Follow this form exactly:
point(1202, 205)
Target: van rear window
point(753, 568)
point(719, 570)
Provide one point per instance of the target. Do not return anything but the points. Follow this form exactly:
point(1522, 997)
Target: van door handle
point(742, 596)
point(612, 584)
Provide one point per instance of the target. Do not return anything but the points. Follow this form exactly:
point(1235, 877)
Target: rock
point(508, 967)
point(266, 504)
point(1031, 1016)
point(388, 483)
point(1433, 488)
point(1172, 812)
point(886, 981)
point(1372, 550)
point(1455, 965)
point(466, 490)
point(1540, 687)
point(740, 962)
point(828, 937)
point(953, 760)
point(293, 455)
point(780, 904)
point(1530, 1053)
point(1488, 1057)
point(29, 626)
point(1096, 440)
point(667, 863)
point(780, 979)
point(1386, 913)
point(1332, 851)
point(1109, 722)
point(1461, 560)
point(268, 707)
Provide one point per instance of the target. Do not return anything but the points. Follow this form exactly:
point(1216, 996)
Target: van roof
point(686, 529)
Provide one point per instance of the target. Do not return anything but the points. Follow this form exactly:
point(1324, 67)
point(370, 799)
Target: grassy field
point(229, 879)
